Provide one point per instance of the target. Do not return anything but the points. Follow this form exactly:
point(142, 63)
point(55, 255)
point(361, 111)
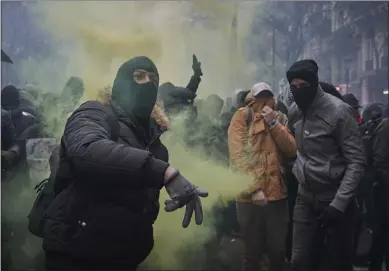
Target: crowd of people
point(319, 167)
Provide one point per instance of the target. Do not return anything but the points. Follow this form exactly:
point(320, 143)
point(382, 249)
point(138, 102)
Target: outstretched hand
point(193, 206)
point(184, 193)
point(196, 66)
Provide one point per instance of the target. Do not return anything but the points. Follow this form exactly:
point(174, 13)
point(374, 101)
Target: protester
point(262, 208)
point(291, 180)
point(55, 108)
point(376, 146)
point(107, 192)
point(10, 101)
point(71, 94)
point(352, 101)
point(330, 162)
point(175, 99)
point(330, 89)
point(28, 102)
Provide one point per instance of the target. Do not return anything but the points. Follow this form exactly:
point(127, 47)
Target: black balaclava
point(306, 70)
point(135, 101)
point(10, 98)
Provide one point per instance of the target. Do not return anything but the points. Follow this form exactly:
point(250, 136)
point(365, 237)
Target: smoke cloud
point(92, 39)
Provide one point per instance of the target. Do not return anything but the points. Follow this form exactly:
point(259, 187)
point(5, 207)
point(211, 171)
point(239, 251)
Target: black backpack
point(45, 189)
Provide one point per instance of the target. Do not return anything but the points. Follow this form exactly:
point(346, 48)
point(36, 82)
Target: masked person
point(28, 99)
point(211, 129)
point(10, 101)
point(257, 138)
point(329, 164)
point(352, 101)
point(112, 167)
point(71, 94)
point(176, 99)
point(376, 177)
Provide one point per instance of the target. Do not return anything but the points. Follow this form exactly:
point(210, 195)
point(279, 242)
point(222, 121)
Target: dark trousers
point(317, 248)
point(263, 231)
point(65, 262)
point(292, 194)
point(380, 228)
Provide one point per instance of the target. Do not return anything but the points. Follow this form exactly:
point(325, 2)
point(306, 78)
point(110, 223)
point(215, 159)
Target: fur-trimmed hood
point(104, 96)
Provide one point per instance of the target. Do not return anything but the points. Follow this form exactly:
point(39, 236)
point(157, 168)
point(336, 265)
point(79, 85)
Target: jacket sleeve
point(351, 147)
point(237, 138)
point(381, 151)
point(87, 142)
point(194, 83)
point(284, 139)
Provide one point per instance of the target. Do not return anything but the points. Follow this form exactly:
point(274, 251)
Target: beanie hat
point(351, 100)
point(306, 70)
point(10, 97)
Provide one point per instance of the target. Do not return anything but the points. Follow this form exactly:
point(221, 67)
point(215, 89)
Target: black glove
point(329, 217)
point(182, 192)
point(196, 66)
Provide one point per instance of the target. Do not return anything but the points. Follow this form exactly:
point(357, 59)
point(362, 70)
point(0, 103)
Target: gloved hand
point(196, 66)
point(182, 192)
point(329, 216)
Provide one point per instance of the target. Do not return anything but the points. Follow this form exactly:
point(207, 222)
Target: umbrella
point(5, 57)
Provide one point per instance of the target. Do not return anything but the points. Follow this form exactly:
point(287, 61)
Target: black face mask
point(136, 100)
point(304, 96)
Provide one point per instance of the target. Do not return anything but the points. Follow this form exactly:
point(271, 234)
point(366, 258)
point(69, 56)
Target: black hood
point(74, 88)
point(10, 97)
point(373, 111)
point(135, 101)
point(213, 105)
point(173, 96)
point(71, 94)
point(330, 89)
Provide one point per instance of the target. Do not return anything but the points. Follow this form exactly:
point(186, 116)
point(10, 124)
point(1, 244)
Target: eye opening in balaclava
point(142, 77)
point(135, 101)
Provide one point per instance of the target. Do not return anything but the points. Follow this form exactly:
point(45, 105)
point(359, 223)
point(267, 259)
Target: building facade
point(353, 55)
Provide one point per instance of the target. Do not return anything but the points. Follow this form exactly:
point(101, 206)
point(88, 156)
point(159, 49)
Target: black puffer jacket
point(107, 191)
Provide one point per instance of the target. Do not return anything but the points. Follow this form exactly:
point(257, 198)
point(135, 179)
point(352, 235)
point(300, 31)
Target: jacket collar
point(317, 104)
